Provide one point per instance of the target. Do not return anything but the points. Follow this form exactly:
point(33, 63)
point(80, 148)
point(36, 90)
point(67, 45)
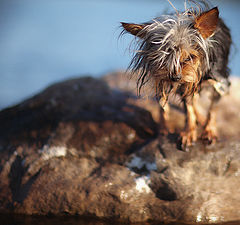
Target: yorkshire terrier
point(180, 53)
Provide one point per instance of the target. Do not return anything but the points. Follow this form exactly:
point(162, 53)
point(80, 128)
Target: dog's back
point(219, 56)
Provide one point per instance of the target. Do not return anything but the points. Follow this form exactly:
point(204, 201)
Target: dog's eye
point(189, 58)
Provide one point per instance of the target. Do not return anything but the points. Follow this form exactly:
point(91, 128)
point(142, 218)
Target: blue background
point(45, 41)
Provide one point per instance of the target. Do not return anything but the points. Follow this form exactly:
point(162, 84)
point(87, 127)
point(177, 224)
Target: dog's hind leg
point(210, 133)
point(164, 118)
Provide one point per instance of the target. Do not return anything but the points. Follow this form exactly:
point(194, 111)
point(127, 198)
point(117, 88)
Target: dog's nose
point(175, 77)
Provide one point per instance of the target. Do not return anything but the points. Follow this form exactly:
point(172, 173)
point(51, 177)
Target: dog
point(179, 54)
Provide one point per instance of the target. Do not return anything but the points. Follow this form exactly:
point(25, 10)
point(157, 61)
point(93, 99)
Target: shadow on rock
point(85, 109)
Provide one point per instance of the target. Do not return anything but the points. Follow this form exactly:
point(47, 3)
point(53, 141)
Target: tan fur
point(175, 53)
point(207, 23)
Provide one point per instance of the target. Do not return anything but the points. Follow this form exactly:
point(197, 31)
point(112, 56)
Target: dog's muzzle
point(175, 77)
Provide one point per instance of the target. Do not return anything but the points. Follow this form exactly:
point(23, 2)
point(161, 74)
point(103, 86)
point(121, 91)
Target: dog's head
point(174, 49)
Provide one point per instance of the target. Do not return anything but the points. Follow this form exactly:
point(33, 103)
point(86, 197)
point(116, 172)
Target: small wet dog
point(179, 53)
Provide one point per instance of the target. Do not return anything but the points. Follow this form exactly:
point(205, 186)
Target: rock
point(90, 147)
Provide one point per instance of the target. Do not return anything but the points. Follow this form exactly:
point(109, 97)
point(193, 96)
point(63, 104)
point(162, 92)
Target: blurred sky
point(44, 41)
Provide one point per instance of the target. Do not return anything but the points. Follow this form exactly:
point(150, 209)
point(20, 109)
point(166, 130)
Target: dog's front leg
point(189, 135)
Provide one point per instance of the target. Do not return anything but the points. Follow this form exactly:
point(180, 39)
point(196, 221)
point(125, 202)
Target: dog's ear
point(134, 29)
point(207, 22)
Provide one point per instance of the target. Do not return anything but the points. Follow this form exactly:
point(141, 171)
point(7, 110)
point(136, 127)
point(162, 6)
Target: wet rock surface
point(90, 147)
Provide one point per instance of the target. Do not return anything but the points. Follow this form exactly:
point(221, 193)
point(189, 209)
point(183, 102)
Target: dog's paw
point(188, 138)
point(209, 135)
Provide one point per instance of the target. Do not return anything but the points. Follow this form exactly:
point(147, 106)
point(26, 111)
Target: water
point(45, 41)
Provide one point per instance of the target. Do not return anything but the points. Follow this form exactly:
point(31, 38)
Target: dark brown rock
point(90, 147)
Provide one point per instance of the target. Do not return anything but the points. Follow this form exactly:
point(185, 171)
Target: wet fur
point(178, 52)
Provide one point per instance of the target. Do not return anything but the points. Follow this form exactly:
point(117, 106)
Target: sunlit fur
point(180, 54)
point(171, 48)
